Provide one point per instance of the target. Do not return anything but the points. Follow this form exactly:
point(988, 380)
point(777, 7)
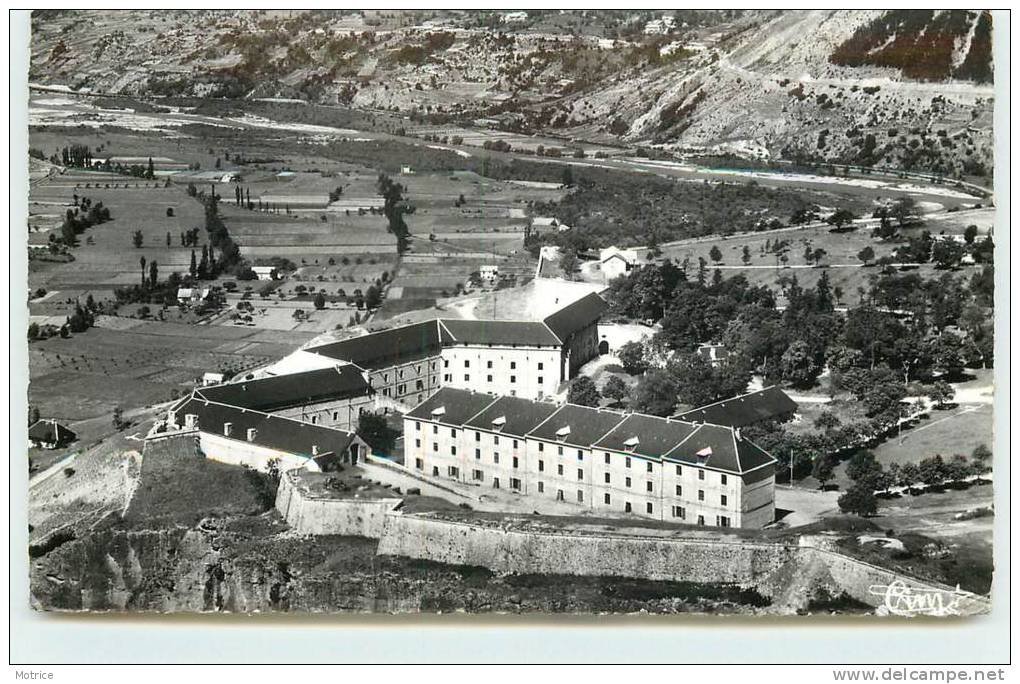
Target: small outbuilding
point(49, 434)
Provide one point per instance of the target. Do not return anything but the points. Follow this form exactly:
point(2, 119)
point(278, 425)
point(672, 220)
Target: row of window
point(448, 377)
point(649, 466)
point(488, 364)
point(649, 486)
point(515, 485)
point(400, 373)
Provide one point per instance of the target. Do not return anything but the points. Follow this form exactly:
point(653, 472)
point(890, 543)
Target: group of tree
point(869, 478)
point(75, 155)
point(83, 215)
point(81, 319)
point(395, 208)
point(904, 329)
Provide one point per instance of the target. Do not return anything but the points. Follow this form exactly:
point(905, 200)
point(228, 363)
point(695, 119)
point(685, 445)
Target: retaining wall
point(559, 552)
point(496, 545)
point(308, 514)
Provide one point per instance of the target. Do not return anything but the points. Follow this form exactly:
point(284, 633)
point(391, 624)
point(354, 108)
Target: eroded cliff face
point(256, 565)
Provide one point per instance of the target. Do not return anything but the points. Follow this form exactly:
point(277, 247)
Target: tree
point(319, 301)
point(615, 389)
point(824, 469)
point(33, 331)
point(841, 218)
point(947, 254)
point(142, 263)
point(656, 393)
point(137, 238)
point(746, 255)
point(866, 255)
point(981, 457)
point(904, 210)
point(583, 392)
point(373, 297)
point(395, 208)
point(569, 263)
point(150, 172)
point(932, 470)
point(715, 254)
point(859, 499)
point(970, 234)
point(374, 429)
point(909, 475)
point(863, 467)
point(153, 274)
point(33, 415)
point(941, 393)
point(118, 418)
point(193, 268)
point(632, 358)
point(827, 421)
point(168, 238)
point(568, 176)
point(798, 365)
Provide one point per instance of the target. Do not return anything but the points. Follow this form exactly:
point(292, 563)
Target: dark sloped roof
point(656, 436)
point(522, 415)
point(273, 432)
point(386, 347)
point(747, 409)
point(50, 431)
point(728, 451)
point(587, 425)
point(296, 389)
point(572, 318)
point(525, 333)
point(458, 406)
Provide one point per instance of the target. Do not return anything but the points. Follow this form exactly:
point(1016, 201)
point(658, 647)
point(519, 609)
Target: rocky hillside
point(908, 89)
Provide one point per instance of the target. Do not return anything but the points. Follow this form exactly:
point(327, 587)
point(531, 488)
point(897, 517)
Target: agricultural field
point(841, 262)
point(133, 363)
point(106, 257)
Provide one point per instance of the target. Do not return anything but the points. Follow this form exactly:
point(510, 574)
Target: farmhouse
point(764, 405)
point(488, 273)
point(49, 434)
point(606, 461)
point(616, 262)
point(192, 294)
point(713, 353)
point(264, 272)
point(241, 436)
point(212, 379)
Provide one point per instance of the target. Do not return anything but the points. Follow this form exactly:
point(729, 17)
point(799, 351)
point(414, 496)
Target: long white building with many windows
point(607, 461)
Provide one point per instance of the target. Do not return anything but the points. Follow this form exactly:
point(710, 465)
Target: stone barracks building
point(658, 468)
point(527, 359)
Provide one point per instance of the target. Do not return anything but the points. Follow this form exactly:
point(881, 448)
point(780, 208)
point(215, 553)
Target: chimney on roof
point(736, 432)
point(227, 429)
point(251, 434)
point(315, 450)
point(171, 417)
point(563, 432)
